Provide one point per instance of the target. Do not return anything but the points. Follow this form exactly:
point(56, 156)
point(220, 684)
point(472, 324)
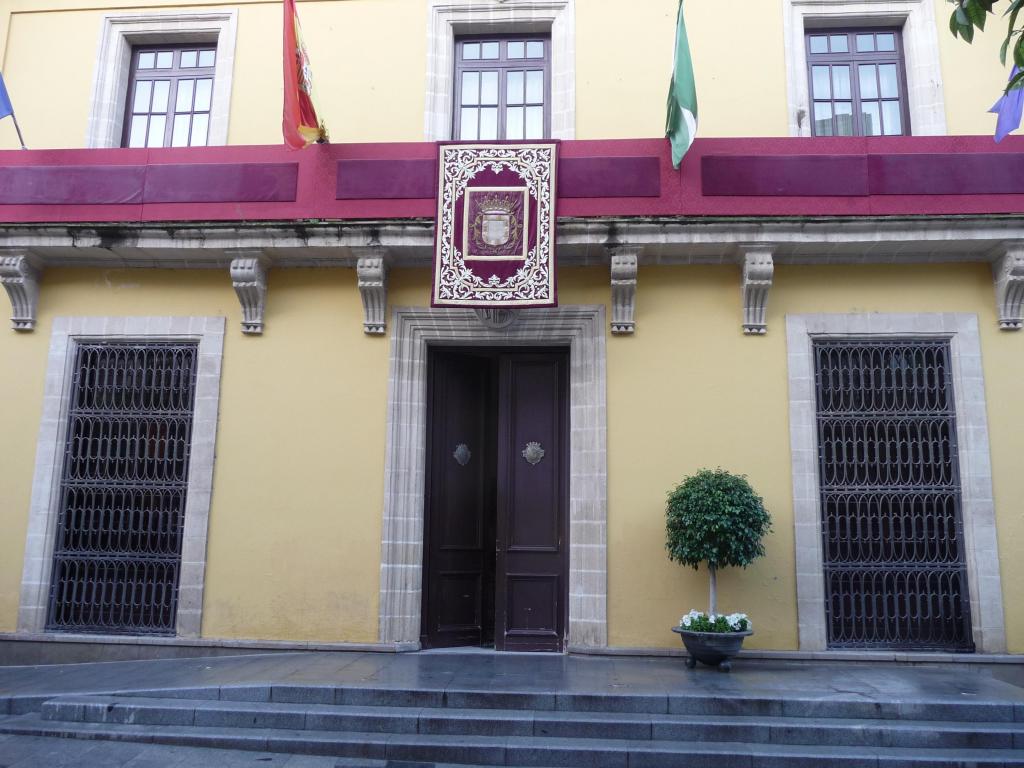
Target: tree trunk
point(714, 588)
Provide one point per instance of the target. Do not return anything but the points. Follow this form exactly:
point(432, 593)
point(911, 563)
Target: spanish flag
point(301, 126)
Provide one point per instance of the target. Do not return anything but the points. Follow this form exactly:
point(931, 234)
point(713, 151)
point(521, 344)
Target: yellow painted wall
point(295, 521)
point(369, 58)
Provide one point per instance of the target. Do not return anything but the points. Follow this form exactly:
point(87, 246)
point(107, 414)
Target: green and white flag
point(681, 126)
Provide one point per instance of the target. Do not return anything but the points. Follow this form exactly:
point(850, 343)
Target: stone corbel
point(1008, 274)
point(19, 275)
point(758, 271)
point(249, 278)
point(624, 271)
point(372, 273)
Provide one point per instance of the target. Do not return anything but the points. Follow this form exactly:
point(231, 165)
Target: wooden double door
point(495, 560)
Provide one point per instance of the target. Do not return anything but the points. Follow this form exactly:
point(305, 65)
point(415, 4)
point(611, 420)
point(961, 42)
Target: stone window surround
point(43, 511)
point(449, 18)
point(119, 32)
point(977, 500)
point(920, 50)
point(413, 330)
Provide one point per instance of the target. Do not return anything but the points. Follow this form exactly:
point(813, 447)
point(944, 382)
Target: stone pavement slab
point(42, 752)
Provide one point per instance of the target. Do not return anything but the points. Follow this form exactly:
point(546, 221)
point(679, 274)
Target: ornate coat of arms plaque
point(495, 242)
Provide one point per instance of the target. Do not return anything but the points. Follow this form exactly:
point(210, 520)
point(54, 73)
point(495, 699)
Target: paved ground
point(886, 682)
point(36, 752)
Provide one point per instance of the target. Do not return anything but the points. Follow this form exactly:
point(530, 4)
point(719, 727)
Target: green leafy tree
point(972, 14)
point(716, 518)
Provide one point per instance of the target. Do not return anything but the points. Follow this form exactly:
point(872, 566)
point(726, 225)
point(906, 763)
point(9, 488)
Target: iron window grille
point(892, 531)
point(857, 82)
point(170, 95)
point(117, 552)
point(502, 88)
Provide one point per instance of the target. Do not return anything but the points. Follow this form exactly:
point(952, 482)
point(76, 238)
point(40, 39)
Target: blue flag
point(5, 100)
point(1009, 108)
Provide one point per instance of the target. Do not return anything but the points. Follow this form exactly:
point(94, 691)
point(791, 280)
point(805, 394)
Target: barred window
point(893, 551)
point(117, 553)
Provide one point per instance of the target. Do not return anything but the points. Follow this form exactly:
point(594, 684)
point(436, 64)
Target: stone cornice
point(581, 242)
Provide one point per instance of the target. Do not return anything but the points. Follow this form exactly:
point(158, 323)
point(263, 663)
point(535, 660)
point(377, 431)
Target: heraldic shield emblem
point(495, 241)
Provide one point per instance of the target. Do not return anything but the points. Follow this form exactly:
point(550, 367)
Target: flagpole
point(18, 129)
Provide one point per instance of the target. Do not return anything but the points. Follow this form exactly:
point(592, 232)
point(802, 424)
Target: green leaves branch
point(971, 14)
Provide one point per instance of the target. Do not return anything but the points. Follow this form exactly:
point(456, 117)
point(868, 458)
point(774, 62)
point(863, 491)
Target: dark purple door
point(495, 563)
point(458, 604)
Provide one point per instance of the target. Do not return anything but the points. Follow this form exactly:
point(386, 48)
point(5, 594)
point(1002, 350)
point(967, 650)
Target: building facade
point(231, 416)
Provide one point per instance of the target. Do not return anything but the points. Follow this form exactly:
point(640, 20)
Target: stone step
point(951, 709)
point(522, 750)
point(538, 723)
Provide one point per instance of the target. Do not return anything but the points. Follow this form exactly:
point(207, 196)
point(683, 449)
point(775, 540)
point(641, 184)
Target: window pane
point(200, 124)
point(490, 50)
point(870, 120)
point(822, 89)
point(146, 60)
point(891, 118)
point(514, 123)
point(143, 89)
point(516, 49)
point(204, 89)
point(865, 43)
point(471, 50)
point(819, 44)
point(161, 89)
point(822, 118)
point(890, 85)
point(535, 87)
point(489, 88)
point(157, 123)
point(887, 42)
point(844, 118)
point(868, 85)
point(470, 87)
point(189, 59)
point(183, 103)
point(535, 49)
point(838, 44)
point(164, 59)
point(207, 58)
point(840, 82)
point(489, 124)
point(514, 94)
point(179, 134)
point(535, 122)
point(137, 135)
point(467, 131)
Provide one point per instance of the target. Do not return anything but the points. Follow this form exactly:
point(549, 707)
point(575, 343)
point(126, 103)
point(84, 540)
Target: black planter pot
point(712, 648)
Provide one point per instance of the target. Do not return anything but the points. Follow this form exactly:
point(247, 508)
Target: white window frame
point(926, 103)
point(973, 451)
point(452, 18)
point(68, 332)
point(119, 32)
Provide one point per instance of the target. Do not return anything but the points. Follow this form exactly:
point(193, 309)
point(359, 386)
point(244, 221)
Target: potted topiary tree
point(716, 518)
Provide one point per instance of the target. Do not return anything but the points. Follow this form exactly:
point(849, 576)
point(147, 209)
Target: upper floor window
point(857, 82)
point(170, 94)
point(502, 88)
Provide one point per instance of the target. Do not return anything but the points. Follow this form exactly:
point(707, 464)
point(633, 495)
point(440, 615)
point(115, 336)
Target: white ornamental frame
point(533, 284)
